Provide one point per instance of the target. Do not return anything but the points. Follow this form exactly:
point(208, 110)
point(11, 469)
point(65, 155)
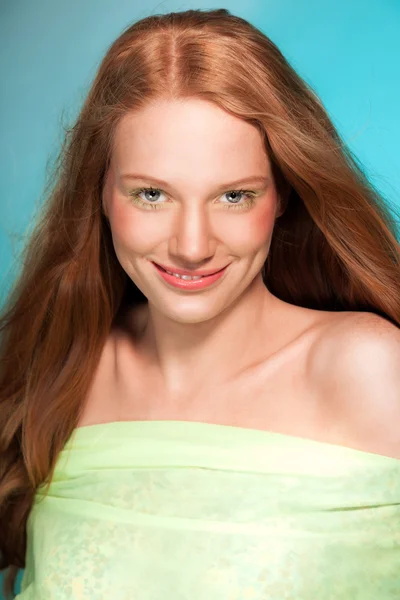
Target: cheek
point(263, 224)
point(250, 232)
point(138, 232)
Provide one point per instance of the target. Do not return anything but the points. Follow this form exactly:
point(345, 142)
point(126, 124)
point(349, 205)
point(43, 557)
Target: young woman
point(199, 361)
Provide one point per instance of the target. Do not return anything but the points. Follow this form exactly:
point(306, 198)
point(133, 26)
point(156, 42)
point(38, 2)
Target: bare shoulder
point(355, 366)
point(102, 402)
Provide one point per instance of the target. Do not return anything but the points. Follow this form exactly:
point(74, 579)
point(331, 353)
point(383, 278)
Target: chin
point(190, 314)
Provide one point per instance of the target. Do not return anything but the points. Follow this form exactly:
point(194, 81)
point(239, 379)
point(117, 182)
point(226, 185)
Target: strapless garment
point(187, 510)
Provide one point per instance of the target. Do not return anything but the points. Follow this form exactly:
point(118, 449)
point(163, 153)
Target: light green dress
point(185, 510)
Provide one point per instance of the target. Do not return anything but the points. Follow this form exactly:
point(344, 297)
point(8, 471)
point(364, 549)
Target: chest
point(276, 394)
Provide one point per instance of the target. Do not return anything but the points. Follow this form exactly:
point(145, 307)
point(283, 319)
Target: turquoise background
point(348, 50)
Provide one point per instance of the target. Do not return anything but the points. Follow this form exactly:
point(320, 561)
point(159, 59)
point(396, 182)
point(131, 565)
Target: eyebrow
point(251, 179)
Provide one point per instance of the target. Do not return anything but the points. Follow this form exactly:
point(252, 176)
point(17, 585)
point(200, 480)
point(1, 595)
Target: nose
point(192, 240)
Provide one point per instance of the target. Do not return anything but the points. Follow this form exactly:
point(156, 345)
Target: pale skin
point(235, 353)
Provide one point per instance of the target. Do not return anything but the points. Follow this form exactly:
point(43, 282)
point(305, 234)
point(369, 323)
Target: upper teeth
point(188, 277)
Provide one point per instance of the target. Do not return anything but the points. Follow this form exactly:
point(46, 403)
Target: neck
point(185, 357)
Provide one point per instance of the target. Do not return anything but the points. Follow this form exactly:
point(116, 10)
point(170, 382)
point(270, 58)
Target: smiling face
point(197, 218)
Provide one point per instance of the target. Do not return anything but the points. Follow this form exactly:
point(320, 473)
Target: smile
point(189, 282)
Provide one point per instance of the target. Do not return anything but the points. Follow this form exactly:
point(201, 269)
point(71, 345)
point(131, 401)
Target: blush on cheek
point(136, 232)
point(262, 223)
point(252, 231)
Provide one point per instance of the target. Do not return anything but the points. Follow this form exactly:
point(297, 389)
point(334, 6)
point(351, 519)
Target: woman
point(234, 435)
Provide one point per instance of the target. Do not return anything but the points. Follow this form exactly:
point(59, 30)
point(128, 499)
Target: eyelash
point(135, 196)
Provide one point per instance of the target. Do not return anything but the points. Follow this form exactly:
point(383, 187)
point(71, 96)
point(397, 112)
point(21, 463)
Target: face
point(195, 216)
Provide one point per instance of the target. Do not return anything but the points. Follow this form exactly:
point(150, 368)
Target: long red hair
point(334, 247)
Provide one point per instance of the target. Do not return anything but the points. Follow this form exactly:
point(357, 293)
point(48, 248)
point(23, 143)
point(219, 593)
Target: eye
point(146, 202)
point(237, 193)
point(150, 202)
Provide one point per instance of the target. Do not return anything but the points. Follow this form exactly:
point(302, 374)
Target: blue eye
point(152, 204)
point(239, 192)
point(150, 191)
point(145, 204)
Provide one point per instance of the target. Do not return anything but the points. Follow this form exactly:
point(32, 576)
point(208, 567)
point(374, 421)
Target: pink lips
point(203, 273)
point(199, 284)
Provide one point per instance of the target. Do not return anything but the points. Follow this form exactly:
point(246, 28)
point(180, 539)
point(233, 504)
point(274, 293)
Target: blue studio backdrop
point(348, 50)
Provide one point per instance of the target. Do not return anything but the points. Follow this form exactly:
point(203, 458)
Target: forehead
point(187, 135)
